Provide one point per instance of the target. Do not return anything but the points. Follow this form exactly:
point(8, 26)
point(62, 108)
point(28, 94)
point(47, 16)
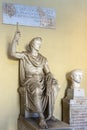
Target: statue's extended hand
point(17, 36)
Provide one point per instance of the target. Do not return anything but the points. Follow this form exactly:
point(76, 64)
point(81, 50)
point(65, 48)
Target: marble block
point(75, 113)
point(32, 124)
point(73, 93)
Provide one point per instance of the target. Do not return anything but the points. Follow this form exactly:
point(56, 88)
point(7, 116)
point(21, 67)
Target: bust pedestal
point(75, 109)
point(75, 93)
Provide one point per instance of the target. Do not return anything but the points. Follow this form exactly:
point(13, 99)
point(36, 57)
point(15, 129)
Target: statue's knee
point(38, 91)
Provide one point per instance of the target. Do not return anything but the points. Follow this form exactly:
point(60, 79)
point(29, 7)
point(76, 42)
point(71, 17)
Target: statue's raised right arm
point(15, 41)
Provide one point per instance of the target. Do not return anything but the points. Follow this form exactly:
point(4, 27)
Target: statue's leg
point(42, 122)
point(52, 98)
point(39, 104)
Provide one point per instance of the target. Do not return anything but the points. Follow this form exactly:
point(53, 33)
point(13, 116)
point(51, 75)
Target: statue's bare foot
point(53, 118)
point(43, 124)
point(48, 118)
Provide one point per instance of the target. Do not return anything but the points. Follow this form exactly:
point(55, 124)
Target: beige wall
point(65, 48)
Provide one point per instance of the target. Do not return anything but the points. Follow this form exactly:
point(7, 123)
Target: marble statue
point(76, 78)
point(36, 80)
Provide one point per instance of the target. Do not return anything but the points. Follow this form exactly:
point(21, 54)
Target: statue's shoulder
point(43, 57)
point(25, 53)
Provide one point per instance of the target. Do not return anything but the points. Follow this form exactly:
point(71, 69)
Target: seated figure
point(36, 80)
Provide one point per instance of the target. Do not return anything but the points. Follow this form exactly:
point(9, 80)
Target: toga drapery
point(38, 85)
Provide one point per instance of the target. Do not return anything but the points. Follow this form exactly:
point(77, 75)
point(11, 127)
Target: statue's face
point(37, 44)
point(77, 77)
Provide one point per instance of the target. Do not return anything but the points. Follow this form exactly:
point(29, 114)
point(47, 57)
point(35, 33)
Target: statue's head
point(76, 75)
point(35, 43)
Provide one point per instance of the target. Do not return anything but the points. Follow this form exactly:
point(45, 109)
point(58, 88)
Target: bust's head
point(77, 75)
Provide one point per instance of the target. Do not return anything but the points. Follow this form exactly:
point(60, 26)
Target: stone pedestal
point(75, 93)
point(75, 109)
point(32, 124)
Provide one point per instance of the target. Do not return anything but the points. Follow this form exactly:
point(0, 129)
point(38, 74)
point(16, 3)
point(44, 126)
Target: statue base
point(32, 124)
point(75, 113)
point(74, 93)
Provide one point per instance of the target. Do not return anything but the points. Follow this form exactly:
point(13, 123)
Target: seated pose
point(36, 79)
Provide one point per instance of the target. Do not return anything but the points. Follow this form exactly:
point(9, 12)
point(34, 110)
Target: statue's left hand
point(22, 90)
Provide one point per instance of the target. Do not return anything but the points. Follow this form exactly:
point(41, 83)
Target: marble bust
point(76, 78)
point(74, 89)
